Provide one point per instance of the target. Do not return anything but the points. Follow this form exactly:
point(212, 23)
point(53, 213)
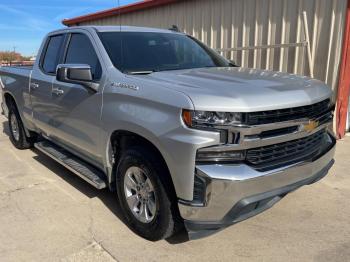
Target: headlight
point(207, 118)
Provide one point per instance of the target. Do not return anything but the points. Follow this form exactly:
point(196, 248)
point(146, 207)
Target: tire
point(165, 220)
point(17, 134)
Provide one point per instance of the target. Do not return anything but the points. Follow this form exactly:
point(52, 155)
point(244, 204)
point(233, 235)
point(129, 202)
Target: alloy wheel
point(14, 127)
point(140, 194)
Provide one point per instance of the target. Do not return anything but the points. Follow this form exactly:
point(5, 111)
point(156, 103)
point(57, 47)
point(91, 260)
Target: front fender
point(154, 113)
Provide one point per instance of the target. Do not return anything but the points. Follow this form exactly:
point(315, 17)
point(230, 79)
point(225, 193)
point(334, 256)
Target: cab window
point(52, 54)
point(81, 51)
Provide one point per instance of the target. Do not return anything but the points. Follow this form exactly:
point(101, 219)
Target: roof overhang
point(117, 11)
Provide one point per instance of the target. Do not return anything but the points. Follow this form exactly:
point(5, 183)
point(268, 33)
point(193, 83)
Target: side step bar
point(79, 167)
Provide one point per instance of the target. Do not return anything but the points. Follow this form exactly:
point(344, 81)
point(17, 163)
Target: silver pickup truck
point(182, 135)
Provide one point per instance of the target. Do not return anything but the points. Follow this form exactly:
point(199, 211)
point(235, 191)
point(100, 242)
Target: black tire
point(166, 220)
point(18, 137)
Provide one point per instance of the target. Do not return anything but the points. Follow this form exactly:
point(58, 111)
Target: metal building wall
point(237, 23)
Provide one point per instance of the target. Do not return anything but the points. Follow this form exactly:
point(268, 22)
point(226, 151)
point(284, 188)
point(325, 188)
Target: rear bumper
point(237, 192)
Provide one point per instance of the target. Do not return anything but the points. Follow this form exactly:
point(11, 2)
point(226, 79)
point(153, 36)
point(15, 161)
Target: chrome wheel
point(140, 195)
point(14, 127)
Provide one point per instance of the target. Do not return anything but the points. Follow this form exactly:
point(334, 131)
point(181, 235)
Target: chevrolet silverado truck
point(182, 135)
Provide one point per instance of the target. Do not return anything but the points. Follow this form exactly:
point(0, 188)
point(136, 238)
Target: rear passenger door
point(76, 119)
point(41, 82)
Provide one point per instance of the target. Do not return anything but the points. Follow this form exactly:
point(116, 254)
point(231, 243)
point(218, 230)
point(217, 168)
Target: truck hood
point(241, 89)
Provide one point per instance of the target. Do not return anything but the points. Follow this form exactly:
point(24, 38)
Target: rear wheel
point(17, 134)
point(145, 195)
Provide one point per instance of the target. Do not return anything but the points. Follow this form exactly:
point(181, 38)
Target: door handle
point(57, 91)
point(34, 85)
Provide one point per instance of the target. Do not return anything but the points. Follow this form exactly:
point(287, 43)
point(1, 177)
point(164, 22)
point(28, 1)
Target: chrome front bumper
point(237, 192)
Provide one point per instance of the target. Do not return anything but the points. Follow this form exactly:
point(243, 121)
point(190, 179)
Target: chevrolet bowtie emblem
point(311, 125)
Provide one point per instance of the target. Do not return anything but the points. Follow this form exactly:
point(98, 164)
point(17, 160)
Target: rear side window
point(81, 51)
point(52, 53)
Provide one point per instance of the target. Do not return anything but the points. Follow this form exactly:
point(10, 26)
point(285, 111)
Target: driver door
point(75, 121)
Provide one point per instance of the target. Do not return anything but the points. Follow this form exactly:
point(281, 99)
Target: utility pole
point(13, 55)
point(14, 52)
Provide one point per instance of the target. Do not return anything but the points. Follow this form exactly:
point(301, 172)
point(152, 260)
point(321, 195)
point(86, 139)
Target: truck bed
point(27, 67)
point(15, 75)
point(15, 70)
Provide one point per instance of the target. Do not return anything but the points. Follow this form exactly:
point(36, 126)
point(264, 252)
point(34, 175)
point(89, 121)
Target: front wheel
point(145, 195)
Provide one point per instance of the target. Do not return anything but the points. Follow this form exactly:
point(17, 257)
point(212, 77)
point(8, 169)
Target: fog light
point(223, 156)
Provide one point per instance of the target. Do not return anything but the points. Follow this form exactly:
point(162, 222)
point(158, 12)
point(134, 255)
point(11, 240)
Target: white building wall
point(240, 23)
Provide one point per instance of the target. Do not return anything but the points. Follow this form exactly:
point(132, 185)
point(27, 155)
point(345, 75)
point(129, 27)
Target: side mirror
point(76, 74)
point(233, 63)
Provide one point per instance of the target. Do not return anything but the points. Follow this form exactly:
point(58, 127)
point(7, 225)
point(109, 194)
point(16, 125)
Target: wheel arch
point(121, 140)
point(11, 101)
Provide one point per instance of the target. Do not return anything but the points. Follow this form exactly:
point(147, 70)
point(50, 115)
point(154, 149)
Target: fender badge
point(123, 85)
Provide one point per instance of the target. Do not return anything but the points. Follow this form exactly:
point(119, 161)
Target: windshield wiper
point(140, 72)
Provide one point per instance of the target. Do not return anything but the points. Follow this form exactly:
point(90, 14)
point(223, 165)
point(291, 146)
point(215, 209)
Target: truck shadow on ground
point(5, 128)
point(109, 199)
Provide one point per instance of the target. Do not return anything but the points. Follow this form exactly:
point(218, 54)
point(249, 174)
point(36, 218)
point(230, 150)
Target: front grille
point(274, 156)
point(274, 133)
point(273, 116)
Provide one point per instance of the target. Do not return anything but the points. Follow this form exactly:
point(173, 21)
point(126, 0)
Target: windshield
point(133, 52)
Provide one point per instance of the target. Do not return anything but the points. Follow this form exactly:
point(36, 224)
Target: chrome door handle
point(57, 91)
point(34, 85)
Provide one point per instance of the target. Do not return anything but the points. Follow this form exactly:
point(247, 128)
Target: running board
point(79, 167)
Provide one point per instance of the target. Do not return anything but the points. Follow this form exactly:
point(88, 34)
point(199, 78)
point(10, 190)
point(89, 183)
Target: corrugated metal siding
point(237, 23)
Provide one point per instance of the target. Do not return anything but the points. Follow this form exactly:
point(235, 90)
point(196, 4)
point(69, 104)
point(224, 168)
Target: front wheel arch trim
point(125, 138)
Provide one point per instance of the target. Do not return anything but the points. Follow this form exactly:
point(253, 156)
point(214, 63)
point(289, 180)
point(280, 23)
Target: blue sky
point(23, 23)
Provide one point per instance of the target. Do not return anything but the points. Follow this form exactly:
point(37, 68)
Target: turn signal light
point(187, 117)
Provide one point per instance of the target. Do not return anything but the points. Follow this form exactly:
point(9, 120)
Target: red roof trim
point(116, 11)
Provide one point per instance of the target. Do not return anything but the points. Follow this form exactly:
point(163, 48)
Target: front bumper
point(237, 192)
